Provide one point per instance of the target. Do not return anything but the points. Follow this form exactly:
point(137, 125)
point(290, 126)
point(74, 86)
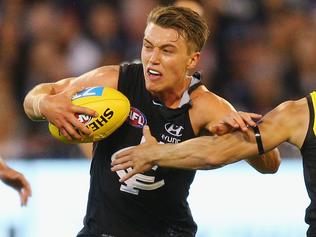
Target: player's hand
point(17, 181)
point(59, 110)
point(138, 158)
point(235, 120)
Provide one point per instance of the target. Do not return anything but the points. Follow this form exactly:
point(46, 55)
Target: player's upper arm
point(210, 109)
point(103, 76)
point(288, 122)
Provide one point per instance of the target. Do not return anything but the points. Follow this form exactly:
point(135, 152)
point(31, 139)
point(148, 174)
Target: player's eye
point(147, 46)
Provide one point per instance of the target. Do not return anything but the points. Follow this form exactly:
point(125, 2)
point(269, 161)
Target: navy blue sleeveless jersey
point(153, 204)
point(308, 151)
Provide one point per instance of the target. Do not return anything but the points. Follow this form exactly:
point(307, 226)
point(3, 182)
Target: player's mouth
point(153, 74)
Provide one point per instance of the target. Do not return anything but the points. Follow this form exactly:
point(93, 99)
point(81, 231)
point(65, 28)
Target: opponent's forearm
point(192, 154)
point(206, 152)
point(188, 155)
point(267, 163)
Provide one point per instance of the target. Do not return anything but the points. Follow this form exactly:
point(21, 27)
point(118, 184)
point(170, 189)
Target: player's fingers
point(78, 123)
point(250, 118)
point(128, 176)
point(67, 134)
point(147, 134)
point(228, 120)
point(24, 184)
point(255, 116)
point(122, 155)
point(240, 123)
point(121, 166)
point(73, 131)
point(24, 192)
point(27, 187)
point(121, 159)
point(84, 110)
point(23, 197)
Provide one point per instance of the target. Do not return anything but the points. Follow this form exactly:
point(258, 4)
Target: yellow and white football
point(112, 107)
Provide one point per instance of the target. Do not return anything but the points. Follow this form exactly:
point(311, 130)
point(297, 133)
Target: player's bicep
point(106, 76)
point(276, 126)
point(215, 116)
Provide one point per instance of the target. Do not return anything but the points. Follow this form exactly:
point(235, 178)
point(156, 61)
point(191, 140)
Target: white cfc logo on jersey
point(138, 181)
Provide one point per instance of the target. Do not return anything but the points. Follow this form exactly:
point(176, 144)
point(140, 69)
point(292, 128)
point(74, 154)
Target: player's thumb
point(147, 135)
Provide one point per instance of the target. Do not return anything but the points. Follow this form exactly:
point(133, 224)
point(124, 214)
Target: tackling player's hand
point(235, 120)
point(59, 110)
point(138, 158)
point(17, 181)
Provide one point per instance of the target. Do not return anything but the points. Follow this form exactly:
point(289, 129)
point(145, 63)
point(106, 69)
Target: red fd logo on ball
point(83, 118)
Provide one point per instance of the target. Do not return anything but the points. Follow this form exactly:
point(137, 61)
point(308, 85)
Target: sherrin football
point(112, 107)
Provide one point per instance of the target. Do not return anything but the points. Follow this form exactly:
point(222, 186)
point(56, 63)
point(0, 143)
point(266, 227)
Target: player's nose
point(155, 56)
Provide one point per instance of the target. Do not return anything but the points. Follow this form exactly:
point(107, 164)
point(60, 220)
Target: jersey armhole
point(311, 102)
point(312, 110)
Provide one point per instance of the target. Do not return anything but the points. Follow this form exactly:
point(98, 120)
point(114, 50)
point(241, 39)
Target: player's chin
point(153, 87)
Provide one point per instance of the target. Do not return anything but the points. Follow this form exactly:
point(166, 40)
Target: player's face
point(166, 59)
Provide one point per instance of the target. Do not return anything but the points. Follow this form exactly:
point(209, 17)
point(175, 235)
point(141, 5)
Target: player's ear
point(193, 60)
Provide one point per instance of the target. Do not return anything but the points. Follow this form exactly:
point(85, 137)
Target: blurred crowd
point(259, 53)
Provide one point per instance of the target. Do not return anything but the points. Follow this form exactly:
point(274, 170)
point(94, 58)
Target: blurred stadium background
point(259, 53)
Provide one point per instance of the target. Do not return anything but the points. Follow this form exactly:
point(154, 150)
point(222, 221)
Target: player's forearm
point(192, 154)
point(207, 152)
point(33, 99)
point(187, 155)
point(267, 163)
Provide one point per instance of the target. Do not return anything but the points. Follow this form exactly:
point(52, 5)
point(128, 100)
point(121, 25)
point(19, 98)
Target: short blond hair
point(189, 24)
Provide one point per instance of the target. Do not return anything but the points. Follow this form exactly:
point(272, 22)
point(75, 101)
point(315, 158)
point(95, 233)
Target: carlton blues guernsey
point(152, 204)
point(308, 151)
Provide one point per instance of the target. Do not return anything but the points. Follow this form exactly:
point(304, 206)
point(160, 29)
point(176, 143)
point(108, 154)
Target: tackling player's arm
point(52, 101)
point(209, 152)
point(286, 123)
point(15, 180)
point(217, 151)
point(221, 111)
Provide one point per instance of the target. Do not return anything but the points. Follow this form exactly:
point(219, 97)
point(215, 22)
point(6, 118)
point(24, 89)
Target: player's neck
point(171, 98)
